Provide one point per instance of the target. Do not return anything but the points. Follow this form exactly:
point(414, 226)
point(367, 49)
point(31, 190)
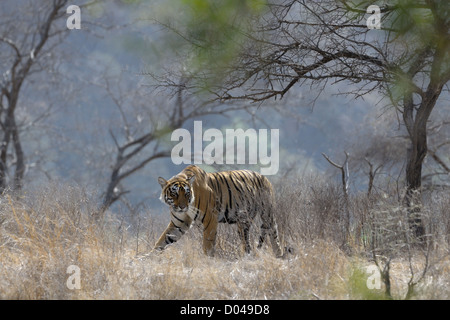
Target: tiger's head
point(177, 193)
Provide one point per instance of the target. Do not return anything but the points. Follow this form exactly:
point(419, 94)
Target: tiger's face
point(177, 193)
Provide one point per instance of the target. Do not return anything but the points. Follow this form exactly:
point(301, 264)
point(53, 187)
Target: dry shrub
point(310, 208)
point(45, 231)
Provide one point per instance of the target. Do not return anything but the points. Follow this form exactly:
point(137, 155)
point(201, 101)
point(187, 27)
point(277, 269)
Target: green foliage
point(409, 20)
point(414, 32)
point(215, 30)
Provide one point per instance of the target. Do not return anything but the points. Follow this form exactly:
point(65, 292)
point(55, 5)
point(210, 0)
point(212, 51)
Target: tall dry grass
point(44, 232)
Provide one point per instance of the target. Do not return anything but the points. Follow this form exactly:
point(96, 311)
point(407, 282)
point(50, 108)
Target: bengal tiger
point(209, 198)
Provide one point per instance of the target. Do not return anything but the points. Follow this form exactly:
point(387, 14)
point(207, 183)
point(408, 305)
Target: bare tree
point(345, 175)
point(302, 42)
point(33, 50)
point(26, 46)
point(391, 237)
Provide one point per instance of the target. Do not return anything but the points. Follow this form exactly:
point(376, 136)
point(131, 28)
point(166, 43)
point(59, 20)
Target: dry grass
point(45, 232)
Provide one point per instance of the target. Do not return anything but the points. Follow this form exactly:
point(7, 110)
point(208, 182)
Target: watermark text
point(237, 147)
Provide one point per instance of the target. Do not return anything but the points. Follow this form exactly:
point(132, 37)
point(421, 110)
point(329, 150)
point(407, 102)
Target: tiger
point(237, 196)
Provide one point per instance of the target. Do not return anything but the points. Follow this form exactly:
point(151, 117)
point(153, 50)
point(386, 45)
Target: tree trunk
point(110, 195)
point(3, 159)
point(415, 157)
point(416, 124)
point(20, 159)
point(11, 130)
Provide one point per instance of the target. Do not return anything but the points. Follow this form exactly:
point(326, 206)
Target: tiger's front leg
point(170, 235)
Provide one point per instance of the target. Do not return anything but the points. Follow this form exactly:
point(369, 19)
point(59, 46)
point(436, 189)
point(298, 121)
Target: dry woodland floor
point(44, 233)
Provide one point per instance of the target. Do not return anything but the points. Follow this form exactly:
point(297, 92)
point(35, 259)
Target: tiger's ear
point(191, 180)
point(162, 182)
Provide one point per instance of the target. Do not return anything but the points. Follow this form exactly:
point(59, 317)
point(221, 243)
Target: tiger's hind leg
point(269, 227)
point(244, 234)
point(274, 240)
point(262, 237)
point(272, 231)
